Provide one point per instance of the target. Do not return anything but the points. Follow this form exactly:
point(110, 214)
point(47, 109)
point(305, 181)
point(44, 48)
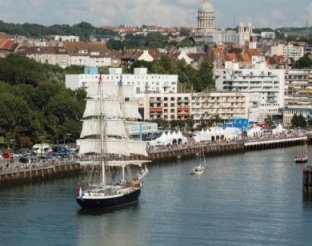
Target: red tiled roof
point(7, 44)
point(254, 52)
point(231, 57)
point(245, 56)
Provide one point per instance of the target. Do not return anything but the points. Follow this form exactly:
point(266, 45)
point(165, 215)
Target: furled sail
point(110, 109)
point(137, 147)
point(130, 110)
point(112, 146)
point(109, 90)
point(91, 127)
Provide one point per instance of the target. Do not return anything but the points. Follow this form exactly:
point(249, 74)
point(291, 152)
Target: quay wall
point(307, 179)
point(193, 150)
point(29, 175)
point(176, 152)
point(275, 143)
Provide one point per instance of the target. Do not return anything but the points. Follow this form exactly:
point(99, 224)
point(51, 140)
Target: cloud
point(261, 13)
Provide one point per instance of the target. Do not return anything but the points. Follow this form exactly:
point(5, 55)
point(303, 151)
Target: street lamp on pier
point(68, 137)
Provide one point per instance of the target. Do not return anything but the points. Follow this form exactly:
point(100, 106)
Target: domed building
point(207, 34)
point(206, 18)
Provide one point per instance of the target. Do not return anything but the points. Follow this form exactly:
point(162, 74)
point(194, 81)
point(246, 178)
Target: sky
point(229, 13)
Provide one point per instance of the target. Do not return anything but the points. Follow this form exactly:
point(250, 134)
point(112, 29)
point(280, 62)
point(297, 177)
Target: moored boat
point(301, 159)
point(198, 170)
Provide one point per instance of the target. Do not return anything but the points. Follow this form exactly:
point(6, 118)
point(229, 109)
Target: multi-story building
point(141, 80)
point(206, 33)
point(226, 105)
point(298, 87)
point(170, 106)
point(264, 86)
point(290, 51)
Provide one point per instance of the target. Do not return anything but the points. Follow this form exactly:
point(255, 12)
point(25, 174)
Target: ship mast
point(102, 132)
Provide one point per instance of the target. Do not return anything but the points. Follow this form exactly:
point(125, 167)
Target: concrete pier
point(160, 153)
point(274, 143)
point(192, 150)
point(38, 174)
point(307, 179)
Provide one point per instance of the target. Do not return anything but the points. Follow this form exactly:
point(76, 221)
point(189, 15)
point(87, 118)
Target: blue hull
point(109, 203)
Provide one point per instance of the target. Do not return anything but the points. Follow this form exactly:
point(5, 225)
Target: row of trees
point(35, 104)
point(84, 30)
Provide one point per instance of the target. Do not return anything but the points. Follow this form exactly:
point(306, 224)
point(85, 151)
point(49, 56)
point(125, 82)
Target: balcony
point(183, 108)
point(183, 114)
point(155, 110)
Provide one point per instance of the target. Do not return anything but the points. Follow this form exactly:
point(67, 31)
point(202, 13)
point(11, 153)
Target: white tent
point(254, 132)
point(181, 138)
point(231, 133)
point(162, 140)
point(278, 130)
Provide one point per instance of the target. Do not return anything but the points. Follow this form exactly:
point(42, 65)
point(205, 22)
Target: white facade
point(143, 82)
point(62, 60)
point(173, 106)
point(264, 86)
point(227, 105)
point(90, 61)
point(206, 33)
point(298, 87)
point(146, 57)
point(290, 111)
point(289, 51)
point(69, 38)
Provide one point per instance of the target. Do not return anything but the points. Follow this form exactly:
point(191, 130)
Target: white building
point(264, 86)
point(92, 60)
point(143, 82)
point(268, 35)
point(289, 112)
point(63, 38)
point(298, 87)
point(290, 51)
point(206, 33)
point(173, 106)
point(226, 105)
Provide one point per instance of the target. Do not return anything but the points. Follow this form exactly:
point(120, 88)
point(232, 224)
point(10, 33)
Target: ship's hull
point(301, 159)
point(109, 203)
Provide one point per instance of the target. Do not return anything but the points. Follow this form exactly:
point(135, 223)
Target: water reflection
point(114, 227)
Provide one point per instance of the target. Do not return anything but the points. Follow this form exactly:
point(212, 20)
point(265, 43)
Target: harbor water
point(254, 198)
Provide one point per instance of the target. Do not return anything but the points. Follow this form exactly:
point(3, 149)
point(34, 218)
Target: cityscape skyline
point(261, 13)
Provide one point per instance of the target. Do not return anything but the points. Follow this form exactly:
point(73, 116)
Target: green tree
point(268, 120)
point(205, 75)
point(298, 121)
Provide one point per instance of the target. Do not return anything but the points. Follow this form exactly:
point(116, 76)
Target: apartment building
point(140, 79)
point(227, 105)
point(169, 106)
point(298, 87)
point(290, 51)
point(265, 87)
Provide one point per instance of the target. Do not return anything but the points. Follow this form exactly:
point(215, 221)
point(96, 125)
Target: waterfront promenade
point(11, 171)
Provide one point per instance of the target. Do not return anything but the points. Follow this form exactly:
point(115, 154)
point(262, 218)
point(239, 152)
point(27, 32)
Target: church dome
point(206, 7)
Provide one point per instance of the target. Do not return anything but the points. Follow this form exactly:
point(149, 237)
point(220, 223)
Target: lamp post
point(67, 136)
point(12, 140)
point(41, 149)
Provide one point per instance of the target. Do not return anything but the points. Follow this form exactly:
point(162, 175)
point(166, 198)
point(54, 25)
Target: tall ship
point(115, 164)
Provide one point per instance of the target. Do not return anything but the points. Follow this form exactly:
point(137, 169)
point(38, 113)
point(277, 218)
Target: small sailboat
point(303, 158)
point(199, 169)
point(115, 164)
